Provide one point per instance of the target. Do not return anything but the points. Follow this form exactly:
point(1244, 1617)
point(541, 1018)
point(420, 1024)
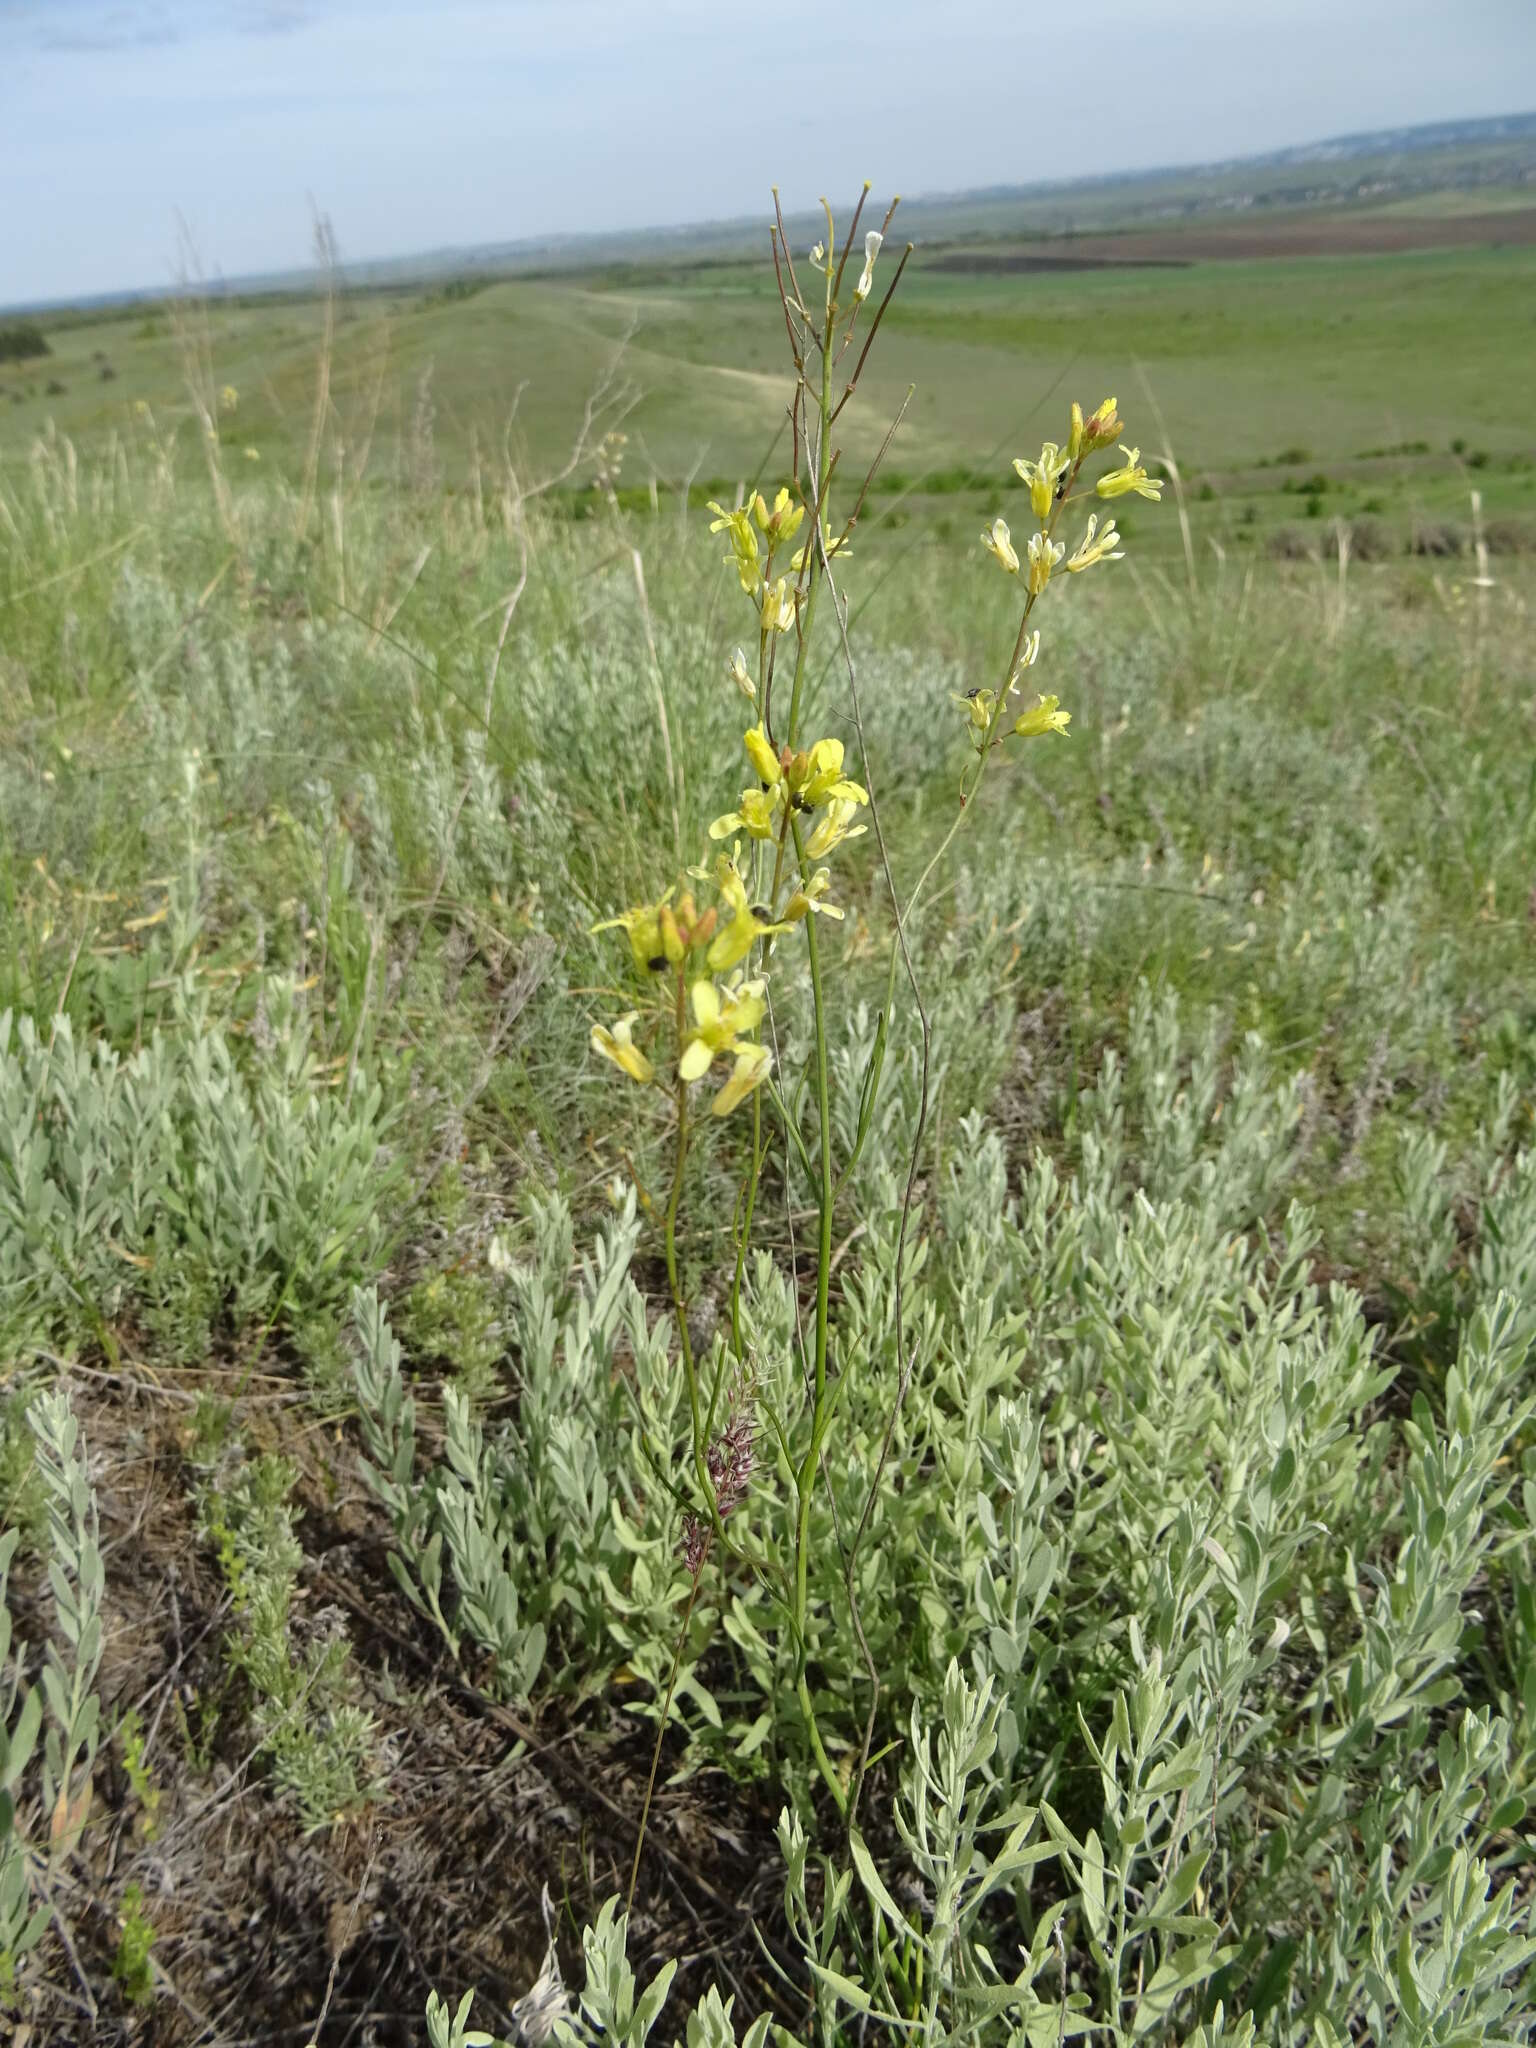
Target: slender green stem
point(824, 1114)
point(744, 1228)
point(813, 1733)
point(811, 1462)
point(754, 1168)
point(661, 1729)
point(813, 582)
point(700, 1425)
point(674, 1283)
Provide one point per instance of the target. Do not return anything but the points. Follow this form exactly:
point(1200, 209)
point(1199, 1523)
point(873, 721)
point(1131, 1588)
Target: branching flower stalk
point(706, 972)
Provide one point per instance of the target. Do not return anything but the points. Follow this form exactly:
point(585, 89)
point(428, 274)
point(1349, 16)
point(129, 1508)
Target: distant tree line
point(21, 342)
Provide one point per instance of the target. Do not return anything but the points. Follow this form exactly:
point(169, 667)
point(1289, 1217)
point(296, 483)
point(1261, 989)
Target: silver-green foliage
point(527, 1534)
point(64, 1707)
point(21, 1923)
point(1159, 1580)
point(175, 1178)
point(320, 1743)
point(78, 1582)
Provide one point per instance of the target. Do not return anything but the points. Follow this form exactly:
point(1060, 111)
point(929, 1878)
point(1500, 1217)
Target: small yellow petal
point(752, 1064)
point(694, 1064)
point(616, 1045)
point(761, 754)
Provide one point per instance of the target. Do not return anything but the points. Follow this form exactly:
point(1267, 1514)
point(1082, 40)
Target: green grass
point(1243, 361)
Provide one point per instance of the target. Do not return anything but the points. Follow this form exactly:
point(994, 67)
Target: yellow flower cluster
point(800, 801)
point(806, 786)
point(756, 532)
point(663, 938)
point(800, 782)
point(776, 523)
point(1051, 478)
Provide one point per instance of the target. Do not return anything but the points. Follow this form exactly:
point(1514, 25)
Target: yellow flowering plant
point(709, 971)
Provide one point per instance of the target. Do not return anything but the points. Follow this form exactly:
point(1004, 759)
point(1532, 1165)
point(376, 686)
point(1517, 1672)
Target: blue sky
point(414, 126)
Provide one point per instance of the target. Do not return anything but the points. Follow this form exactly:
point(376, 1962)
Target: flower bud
point(736, 668)
point(760, 753)
point(1103, 427)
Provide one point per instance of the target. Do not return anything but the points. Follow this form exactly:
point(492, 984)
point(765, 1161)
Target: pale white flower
point(1090, 549)
point(736, 669)
point(777, 608)
point(872, 243)
point(1044, 554)
point(997, 542)
point(1029, 654)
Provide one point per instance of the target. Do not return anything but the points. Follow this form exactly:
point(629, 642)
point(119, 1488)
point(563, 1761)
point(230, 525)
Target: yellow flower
point(743, 553)
point(809, 898)
point(978, 706)
point(777, 608)
point(642, 927)
point(1044, 554)
point(783, 522)
point(1042, 717)
point(1042, 477)
point(672, 946)
point(833, 547)
point(1106, 548)
point(734, 941)
point(719, 1027)
point(997, 542)
point(736, 668)
point(1076, 432)
point(752, 1065)
point(760, 753)
point(251, 454)
point(816, 777)
point(718, 1024)
point(757, 817)
point(872, 243)
point(1115, 483)
point(834, 826)
point(1102, 426)
point(618, 1045)
point(229, 398)
point(661, 936)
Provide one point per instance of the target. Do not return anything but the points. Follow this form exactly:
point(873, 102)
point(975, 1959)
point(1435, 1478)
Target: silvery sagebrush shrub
point(63, 1707)
point(172, 1177)
point(21, 1923)
point(77, 1581)
point(528, 1541)
point(319, 1743)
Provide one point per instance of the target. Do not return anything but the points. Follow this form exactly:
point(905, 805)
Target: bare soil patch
point(265, 1935)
